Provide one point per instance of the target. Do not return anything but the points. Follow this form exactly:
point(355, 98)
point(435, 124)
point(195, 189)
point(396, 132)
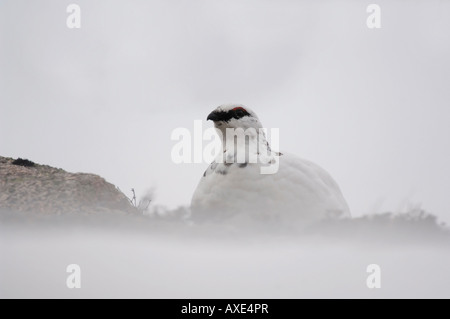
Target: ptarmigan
point(236, 187)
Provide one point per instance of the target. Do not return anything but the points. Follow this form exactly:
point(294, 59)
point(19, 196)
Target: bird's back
point(299, 191)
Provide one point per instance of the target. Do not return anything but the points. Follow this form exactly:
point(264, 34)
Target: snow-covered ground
point(148, 258)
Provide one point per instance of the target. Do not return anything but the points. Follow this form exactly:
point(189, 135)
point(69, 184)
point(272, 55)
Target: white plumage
point(299, 192)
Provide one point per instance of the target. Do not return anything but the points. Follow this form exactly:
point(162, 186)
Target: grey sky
point(370, 106)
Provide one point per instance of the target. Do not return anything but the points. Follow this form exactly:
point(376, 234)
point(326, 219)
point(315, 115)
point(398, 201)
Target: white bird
point(236, 187)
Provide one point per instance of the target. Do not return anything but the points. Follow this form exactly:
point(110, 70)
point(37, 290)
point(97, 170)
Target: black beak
point(214, 116)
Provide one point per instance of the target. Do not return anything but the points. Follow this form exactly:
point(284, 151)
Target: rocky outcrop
point(29, 187)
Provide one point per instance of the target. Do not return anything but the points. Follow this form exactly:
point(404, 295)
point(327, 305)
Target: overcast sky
point(371, 106)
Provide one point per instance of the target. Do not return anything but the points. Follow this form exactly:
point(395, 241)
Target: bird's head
point(234, 116)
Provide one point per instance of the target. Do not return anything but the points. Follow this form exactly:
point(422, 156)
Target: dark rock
point(23, 162)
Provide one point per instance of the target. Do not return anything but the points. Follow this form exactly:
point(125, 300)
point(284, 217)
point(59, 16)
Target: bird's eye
point(239, 112)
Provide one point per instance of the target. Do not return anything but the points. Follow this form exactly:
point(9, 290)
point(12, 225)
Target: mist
point(166, 256)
